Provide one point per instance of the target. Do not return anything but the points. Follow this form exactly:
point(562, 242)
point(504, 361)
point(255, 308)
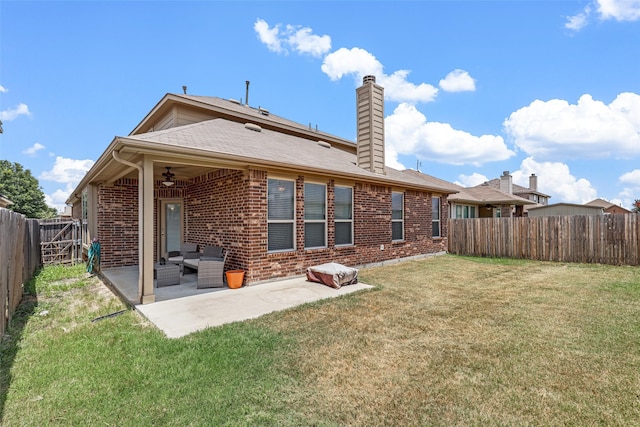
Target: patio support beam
point(145, 260)
point(146, 242)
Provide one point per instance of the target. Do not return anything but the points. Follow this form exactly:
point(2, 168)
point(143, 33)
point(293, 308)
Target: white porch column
point(146, 238)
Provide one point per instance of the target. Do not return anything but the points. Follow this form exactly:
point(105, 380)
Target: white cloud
point(303, 41)
point(588, 129)
point(69, 171)
point(391, 157)
point(458, 81)
point(408, 132)
point(471, 180)
point(398, 89)
point(298, 38)
point(268, 36)
point(58, 198)
point(632, 178)
point(631, 191)
point(620, 10)
point(31, 151)
point(3, 89)
point(579, 21)
point(556, 180)
point(357, 62)
point(12, 114)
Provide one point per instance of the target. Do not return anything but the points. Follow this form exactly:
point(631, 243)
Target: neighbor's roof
point(601, 203)
point(485, 194)
point(563, 204)
point(517, 189)
point(226, 139)
point(4, 202)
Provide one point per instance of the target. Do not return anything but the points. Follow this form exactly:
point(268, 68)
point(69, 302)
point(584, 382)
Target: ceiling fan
point(168, 177)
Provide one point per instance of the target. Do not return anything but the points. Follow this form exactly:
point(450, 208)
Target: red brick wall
point(219, 213)
point(228, 208)
point(118, 223)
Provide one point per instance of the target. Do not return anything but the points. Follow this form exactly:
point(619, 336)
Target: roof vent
point(252, 126)
point(263, 111)
point(324, 144)
point(235, 101)
point(367, 79)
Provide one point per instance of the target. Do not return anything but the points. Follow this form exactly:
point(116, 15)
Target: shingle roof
point(485, 194)
point(228, 139)
point(517, 189)
point(601, 203)
point(259, 113)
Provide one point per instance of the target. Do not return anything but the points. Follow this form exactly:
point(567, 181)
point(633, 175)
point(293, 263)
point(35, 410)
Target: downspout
point(117, 158)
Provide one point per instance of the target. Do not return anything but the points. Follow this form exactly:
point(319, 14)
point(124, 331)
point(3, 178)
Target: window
point(435, 216)
point(464, 211)
point(397, 216)
point(280, 215)
point(315, 215)
point(343, 206)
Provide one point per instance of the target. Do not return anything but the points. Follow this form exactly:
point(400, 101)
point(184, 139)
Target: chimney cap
point(369, 78)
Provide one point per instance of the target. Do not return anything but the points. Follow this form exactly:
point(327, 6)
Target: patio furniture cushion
point(210, 270)
point(187, 250)
point(333, 275)
point(212, 252)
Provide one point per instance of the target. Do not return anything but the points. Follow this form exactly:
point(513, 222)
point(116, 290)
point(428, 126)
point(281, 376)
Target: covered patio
point(182, 309)
point(124, 281)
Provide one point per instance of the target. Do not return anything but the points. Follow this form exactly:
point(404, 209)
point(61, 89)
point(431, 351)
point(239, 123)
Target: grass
point(442, 341)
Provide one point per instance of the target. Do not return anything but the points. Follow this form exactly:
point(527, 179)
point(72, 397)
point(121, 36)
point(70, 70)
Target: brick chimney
point(533, 182)
point(370, 114)
point(506, 184)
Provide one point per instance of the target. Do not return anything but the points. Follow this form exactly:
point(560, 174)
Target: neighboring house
point(562, 209)
point(484, 201)
point(4, 202)
point(496, 198)
point(608, 207)
point(278, 195)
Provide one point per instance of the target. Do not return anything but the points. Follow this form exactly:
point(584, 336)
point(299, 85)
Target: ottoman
point(166, 274)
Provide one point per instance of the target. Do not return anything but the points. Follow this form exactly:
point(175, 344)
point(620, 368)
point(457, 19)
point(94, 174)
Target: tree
point(636, 206)
point(18, 185)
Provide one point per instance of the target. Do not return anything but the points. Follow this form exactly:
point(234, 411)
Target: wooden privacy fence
point(603, 239)
point(19, 259)
point(61, 241)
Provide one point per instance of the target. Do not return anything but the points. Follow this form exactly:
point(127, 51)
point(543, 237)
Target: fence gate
point(61, 241)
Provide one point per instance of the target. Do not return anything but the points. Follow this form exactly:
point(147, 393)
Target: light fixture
point(168, 177)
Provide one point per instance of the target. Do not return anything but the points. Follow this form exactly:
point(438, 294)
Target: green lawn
point(443, 341)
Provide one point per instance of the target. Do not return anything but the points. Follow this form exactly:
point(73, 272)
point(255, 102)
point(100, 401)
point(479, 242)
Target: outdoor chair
point(186, 250)
point(211, 270)
point(212, 252)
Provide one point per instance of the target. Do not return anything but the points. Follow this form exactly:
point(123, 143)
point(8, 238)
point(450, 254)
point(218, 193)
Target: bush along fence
point(602, 239)
point(19, 259)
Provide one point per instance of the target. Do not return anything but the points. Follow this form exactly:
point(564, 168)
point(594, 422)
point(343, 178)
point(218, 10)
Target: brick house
point(278, 195)
point(499, 197)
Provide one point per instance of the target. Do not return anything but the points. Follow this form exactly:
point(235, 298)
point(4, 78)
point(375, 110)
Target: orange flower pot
point(234, 278)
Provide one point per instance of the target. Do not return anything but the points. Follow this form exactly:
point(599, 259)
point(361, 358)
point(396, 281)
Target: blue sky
point(473, 88)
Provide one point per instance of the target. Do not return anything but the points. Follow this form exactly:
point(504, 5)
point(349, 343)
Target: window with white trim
point(397, 216)
point(280, 215)
point(465, 211)
point(435, 217)
point(315, 215)
point(343, 221)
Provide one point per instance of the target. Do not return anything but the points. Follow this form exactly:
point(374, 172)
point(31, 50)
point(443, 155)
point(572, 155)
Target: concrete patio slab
point(182, 316)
